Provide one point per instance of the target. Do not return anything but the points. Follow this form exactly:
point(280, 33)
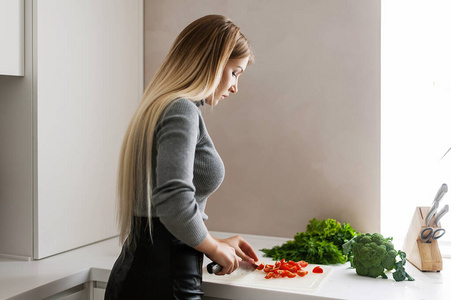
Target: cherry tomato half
point(284, 268)
point(317, 269)
point(303, 264)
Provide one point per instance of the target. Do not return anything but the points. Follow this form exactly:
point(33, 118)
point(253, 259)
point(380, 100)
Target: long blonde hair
point(192, 69)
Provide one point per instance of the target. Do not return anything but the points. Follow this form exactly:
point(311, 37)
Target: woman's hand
point(221, 253)
point(226, 257)
point(242, 248)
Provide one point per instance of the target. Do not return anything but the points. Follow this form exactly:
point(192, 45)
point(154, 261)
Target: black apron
point(161, 268)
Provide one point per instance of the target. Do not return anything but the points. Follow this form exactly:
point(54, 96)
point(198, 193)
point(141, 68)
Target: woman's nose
point(234, 88)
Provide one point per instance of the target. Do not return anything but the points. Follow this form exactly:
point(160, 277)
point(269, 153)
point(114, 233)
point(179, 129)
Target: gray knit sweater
point(186, 171)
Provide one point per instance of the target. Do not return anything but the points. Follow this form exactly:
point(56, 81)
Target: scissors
point(428, 234)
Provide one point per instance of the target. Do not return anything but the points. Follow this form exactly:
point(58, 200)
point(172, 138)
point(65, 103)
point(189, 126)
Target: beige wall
point(301, 139)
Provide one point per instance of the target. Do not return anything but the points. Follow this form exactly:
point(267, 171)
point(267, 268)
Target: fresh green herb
point(372, 255)
point(321, 243)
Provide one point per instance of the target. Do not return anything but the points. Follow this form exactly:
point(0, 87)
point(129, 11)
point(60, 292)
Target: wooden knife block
point(424, 256)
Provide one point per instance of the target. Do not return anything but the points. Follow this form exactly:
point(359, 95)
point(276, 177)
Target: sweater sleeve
point(173, 194)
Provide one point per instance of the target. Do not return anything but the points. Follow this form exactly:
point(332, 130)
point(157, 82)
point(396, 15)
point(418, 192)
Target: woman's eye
point(234, 74)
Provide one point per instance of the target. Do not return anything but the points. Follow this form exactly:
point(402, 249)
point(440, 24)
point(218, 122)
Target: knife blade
point(441, 213)
point(214, 268)
point(431, 212)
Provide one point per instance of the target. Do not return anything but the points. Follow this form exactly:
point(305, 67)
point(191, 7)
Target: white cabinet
point(81, 292)
point(90, 290)
point(99, 294)
point(12, 37)
point(62, 125)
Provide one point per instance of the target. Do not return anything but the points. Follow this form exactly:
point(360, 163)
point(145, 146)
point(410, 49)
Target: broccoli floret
point(373, 255)
point(389, 259)
point(378, 239)
point(389, 246)
point(365, 239)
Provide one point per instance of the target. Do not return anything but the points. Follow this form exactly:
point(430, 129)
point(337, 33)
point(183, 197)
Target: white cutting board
point(256, 279)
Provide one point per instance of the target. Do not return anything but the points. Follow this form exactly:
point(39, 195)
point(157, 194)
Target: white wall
point(416, 106)
point(301, 139)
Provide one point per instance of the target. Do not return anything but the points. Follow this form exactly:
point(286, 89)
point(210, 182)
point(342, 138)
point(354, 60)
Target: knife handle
point(441, 192)
point(213, 268)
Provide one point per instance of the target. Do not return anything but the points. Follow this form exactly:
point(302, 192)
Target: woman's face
point(229, 80)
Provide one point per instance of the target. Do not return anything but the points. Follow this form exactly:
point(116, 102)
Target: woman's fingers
point(248, 250)
point(231, 251)
point(242, 248)
point(227, 259)
point(221, 253)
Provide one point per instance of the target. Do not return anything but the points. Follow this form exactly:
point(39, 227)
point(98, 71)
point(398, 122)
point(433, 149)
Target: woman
point(169, 167)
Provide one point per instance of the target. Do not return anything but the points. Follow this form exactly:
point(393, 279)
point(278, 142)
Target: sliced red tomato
point(290, 274)
point(284, 269)
point(317, 269)
point(269, 275)
point(303, 264)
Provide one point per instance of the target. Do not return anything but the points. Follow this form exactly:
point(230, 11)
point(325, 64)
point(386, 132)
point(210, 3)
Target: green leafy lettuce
point(321, 243)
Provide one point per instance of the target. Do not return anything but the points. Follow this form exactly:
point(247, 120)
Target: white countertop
point(37, 279)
